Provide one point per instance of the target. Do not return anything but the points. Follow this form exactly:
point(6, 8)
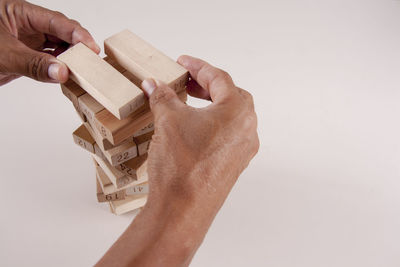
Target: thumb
point(162, 98)
point(38, 65)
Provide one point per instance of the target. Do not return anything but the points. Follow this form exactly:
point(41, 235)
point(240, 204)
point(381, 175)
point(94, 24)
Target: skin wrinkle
point(10, 22)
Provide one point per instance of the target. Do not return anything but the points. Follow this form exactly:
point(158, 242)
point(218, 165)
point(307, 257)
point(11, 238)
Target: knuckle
point(223, 75)
point(161, 95)
point(219, 75)
point(246, 94)
point(250, 122)
point(74, 22)
point(58, 14)
point(213, 74)
point(35, 67)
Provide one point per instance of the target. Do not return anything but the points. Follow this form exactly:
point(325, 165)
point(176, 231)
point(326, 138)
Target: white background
point(324, 189)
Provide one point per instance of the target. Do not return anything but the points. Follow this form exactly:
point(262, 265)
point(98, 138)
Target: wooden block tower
point(117, 124)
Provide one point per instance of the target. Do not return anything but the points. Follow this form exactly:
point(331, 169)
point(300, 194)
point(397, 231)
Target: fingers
point(162, 98)
point(58, 25)
point(195, 90)
point(216, 82)
point(36, 65)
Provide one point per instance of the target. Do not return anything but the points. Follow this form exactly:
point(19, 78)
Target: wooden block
point(121, 153)
point(129, 167)
point(128, 204)
point(106, 185)
point(83, 138)
point(98, 152)
point(144, 61)
point(108, 188)
point(72, 91)
point(145, 130)
point(89, 107)
point(113, 154)
point(103, 143)
point(101, 197)
point(104, 83)
point(118, 178)
point(143, 142)
point(116, 131)
point(137, 190)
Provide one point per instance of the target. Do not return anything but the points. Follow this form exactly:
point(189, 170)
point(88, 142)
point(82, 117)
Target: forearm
point(167, 232)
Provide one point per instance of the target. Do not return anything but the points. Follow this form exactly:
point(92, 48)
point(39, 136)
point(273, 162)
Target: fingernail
point(53, 71)
point(183, 61)
point(148, 86)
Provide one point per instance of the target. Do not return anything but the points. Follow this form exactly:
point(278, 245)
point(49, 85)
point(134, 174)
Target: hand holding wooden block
point(118, 124)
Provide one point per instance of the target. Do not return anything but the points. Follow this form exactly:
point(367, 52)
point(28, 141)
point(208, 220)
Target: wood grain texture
point(144, 61)
point(102, 81)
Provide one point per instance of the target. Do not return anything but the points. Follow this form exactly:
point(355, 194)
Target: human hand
point(24, 30)
point(195, 157)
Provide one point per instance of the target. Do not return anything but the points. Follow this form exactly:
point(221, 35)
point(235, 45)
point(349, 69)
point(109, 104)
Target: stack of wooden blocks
point(117, 122)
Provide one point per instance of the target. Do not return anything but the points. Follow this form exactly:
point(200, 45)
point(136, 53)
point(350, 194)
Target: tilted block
point(120, 179)
point(106, 187)
point(101, 197)
point(102, 81)
point(129, 167)
point(72, 91)
point(83, 138)
point(130, 203)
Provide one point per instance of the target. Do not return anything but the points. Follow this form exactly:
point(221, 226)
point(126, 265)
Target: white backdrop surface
point(324, 189)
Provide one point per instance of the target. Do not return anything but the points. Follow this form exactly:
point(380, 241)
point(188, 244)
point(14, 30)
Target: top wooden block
point(144, 61)
point(103, 82)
